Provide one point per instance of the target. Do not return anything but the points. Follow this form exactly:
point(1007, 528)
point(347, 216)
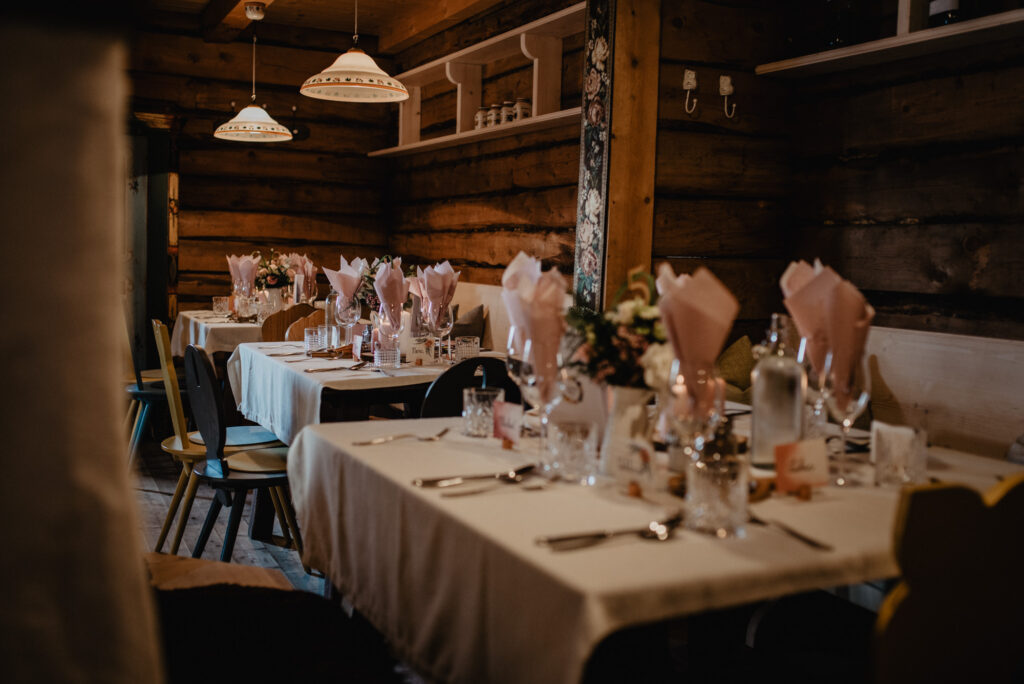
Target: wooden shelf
point(534, 123)
point(539, 41)
point(905, 45)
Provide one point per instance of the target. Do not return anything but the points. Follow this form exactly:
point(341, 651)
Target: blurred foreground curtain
point(74, 605)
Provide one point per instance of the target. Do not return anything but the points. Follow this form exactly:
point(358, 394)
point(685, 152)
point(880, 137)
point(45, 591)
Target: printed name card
point(801, 464)
point(421, 351)
point(508, 417)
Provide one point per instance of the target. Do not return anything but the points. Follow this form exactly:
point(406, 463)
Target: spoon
point(654, 531)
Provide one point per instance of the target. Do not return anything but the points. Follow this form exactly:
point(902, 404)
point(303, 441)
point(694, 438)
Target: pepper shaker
point(480, 118)
point(508, 112)
point(494, 116)
point(521, 109)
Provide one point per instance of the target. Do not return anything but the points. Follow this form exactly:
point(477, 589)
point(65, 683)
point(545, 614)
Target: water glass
point(466, 348)
point(900, 454)
point(478, 410)
point(312, 340)
point(573, 451)
point(331, 336)
point(716, 495)
point(221, 305)
point(387, 358)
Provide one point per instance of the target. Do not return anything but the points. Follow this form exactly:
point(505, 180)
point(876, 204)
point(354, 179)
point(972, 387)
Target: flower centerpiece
point(274, 272)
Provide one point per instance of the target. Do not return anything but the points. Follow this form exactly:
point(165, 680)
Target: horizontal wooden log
point(195, 289)
point(965, 315)
point(754, 282)
point(243, 194)
point(554, 207)
point(951, 108)
point(935, 259)
point(549, 137)
point(197, 131)
point(692, 163)
point(939, 185)
point(209, 255)
point(762, 106)
point(741, 34)
point(176, 94)
point(488, 248)
point(717, 227)
point(286, 228)
point(282, 162)
point(544, 168)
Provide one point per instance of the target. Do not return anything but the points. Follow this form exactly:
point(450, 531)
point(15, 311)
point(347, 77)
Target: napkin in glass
point(392, 290)
point(517, 284)
point(349, 276)
point(437, 286)
point(848, 319)
point(544, 313)
point(805, 288)
point(698, 313)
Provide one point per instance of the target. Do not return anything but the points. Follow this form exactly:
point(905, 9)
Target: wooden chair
point(958, 612)
point(296, 331)
point(144, 390)
point(275, 326)
point(231, 476)
point(444, 396)
point(187, 447)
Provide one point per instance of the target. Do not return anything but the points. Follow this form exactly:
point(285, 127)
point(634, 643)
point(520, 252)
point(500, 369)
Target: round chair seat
point(197, 452)
point(269, 460)
point(240, 435)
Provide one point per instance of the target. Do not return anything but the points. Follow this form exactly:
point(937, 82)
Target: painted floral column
point(591, 214)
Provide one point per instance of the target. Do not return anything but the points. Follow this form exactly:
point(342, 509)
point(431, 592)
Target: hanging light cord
point(355, 35)
point(254, 67)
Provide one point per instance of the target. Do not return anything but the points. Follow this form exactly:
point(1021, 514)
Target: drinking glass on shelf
point(347, 315)
point(848, 387)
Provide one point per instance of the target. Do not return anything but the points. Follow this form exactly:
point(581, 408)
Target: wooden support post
point(409, 118)
point(467, 78)
point(546, 53)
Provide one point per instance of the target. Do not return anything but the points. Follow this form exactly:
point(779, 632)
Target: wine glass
point(817, 392)
point(514, 358)
point(388, 351)
point(848, 389)
point(347, 312)
point(541, 383)
point(438, 320)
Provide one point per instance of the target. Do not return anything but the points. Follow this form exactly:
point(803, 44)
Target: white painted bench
point(967, 392)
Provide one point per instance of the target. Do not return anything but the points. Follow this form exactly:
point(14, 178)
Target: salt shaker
point(480, 118)
point(521, 110)
point(494, 116)
point(507, 112)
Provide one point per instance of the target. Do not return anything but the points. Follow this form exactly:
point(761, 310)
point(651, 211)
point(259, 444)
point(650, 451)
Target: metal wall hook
point(689, 84)
point(725, 89)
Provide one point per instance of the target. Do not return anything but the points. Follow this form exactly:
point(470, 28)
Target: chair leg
point(279, 511)
point(289, 515)
point(140, 426)
point(204, 534)
point(237, 505)
point(129, 418)
point(186, 509)
point(186, 470)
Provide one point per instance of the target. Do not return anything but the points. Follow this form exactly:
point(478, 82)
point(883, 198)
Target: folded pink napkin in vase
point(247, 267)
point(233, 268)
point(698, 314)
point(517, 284)
point(544, 307)
point(392, 289)
point(667, 278)
point(347, 279)
point(848, 319)
point(805, 289)
point(437, 287)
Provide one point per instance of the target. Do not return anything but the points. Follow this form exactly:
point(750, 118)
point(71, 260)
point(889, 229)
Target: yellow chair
point(957, 613)
point(297, 331)
point(187, 447)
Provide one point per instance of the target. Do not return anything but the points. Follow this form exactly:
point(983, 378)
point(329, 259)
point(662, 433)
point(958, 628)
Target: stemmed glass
point(438, 320)
point(696, 401)
point(541, 385)
point(817, 392)
point(347, 312)
point(848, 389)
point(388, 333)
point(514, 358)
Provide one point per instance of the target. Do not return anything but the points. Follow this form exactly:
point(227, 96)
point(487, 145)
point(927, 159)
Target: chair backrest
point(276, 324)
point(297, 331)
point(203, 396)
point(444, 396)
point(957, 612)
point(170, 376)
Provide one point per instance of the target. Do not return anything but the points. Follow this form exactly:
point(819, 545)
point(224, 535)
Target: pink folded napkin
point(806, 288)
point(247, 267)
point(233, 267)
point(848, 320)
point(392, 289)
point(667, 278)
point(349, 276)
point(698, 313)
point(544, 307)
point(517, 283)
point(437, 287)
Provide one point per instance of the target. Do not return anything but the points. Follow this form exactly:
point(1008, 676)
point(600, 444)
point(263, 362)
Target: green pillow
point(736, 363)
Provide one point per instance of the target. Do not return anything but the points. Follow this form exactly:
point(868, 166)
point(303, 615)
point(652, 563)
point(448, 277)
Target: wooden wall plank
point(209, 255)
point(245, 194)
point(485, 247)
point(283, 162)
point(291, 228)
point(755, 282)
point(695, 163)
point(720, 227)
point(197, 130)
point(740, 34)
point(552, 207)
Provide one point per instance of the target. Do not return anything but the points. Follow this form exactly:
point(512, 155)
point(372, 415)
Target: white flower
point(600, 53)
point(657, 363)
point(623, 313)
point(592, 207)
point(649, 313)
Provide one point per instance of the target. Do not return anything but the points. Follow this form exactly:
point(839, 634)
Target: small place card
point(800, 464)
point(508, 417)
point(421, 351)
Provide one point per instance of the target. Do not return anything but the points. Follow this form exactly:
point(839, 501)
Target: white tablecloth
point(283, 398)
point(211, 332)
point(465, 594)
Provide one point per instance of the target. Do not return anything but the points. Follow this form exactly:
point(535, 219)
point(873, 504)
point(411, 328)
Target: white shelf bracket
point(912, 15)
point(467, 78)
point(546, 53)
point(409, 117)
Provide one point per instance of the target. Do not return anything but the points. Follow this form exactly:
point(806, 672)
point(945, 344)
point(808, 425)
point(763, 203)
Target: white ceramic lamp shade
point(354, 77)
point(253, 124)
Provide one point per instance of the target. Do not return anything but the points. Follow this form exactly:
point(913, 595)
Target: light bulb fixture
point(354, 77)
point(253, 124)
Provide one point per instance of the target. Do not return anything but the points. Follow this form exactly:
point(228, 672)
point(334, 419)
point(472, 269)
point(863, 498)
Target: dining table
point(214, 332)
point(456, 580)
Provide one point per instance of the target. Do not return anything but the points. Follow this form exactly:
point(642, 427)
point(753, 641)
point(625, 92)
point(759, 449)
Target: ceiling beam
point(223, 20)
point(422, 20)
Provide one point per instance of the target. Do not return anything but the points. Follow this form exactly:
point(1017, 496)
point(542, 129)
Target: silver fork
point(407, 435)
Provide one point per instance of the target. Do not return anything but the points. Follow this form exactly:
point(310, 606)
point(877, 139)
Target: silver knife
point(452, 480)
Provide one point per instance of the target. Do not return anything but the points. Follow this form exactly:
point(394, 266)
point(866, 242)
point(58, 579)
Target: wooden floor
point(157, 475)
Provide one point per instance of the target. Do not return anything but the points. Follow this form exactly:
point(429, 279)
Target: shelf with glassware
point(911, 40)
point(539, 41)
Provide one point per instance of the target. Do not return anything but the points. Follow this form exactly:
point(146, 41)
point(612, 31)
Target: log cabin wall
point(479, 204)
point(722, 185)
point(910, 185)
point(317, 194)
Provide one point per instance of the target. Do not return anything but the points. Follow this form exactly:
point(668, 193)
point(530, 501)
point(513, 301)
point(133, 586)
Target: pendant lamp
point(354, 77)
point(253, 124)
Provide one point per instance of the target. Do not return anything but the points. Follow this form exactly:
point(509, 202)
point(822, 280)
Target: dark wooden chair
point(276, 325)
point(231, 476)
point(444, 396)
point(144, 392)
